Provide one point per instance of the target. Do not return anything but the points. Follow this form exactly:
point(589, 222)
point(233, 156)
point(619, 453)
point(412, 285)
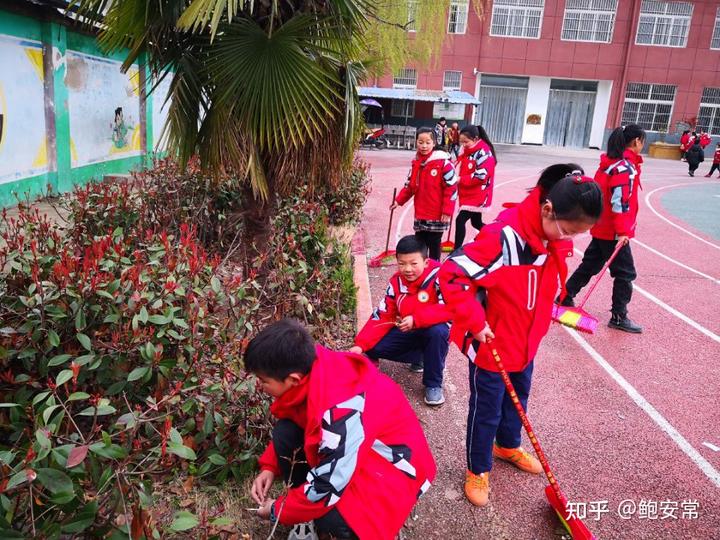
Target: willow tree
point(267, 89)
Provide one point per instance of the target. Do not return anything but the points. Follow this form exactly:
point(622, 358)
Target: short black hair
point(280, 349)
point(411, 244)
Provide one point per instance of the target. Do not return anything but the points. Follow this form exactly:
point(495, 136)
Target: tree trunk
point(257, 227)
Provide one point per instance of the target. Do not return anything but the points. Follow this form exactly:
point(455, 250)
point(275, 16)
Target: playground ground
point(628, 422)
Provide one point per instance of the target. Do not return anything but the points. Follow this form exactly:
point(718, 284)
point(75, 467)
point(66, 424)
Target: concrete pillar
point(538, 96)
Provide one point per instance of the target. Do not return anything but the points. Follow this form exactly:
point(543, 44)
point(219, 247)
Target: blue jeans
point(426, 346)
point(492, 415)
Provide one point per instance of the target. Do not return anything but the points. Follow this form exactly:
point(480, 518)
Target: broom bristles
point(575, 318)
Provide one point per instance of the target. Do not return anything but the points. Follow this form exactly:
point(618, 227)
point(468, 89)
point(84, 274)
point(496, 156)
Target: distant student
point(500, 288)
point(442, 134)
point(410, 324)
point(715, 163)
point(346, 441)
point(454, 138)
point(433, 184)
point(684, 143)
point(705, 139)
point(476, 171)
point(619, 179)
point(694, 156)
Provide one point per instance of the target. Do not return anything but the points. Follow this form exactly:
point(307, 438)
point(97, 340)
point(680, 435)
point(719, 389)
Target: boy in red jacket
point(410, 324)
point(715, 163)
point(347, 442)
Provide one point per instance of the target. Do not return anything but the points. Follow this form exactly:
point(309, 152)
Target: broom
point(577, 529)
point(448, 245)
point(387, 256)
point(576, 317)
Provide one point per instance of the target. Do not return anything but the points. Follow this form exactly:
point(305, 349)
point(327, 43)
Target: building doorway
point(502, 107)
point(570, 113)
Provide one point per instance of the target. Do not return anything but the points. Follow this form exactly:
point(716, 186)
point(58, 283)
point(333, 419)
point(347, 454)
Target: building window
point(402, 108)
point(405, 78)
point(457, 18)
point(452, 80)
point(589, 20)
point(649, 105)
point(449, 111)
point(517, 18)
point(411, 15)
point(715, 43)
point(709, 115)
point(665, 24)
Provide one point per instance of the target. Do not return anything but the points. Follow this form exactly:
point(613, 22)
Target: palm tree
point(259, 88)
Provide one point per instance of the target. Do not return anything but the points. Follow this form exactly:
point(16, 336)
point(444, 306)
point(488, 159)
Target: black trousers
point(289, 442)
point(715, 167)
point(622, 270)
point(432, 241)
point(692, 167)
point(460, 221)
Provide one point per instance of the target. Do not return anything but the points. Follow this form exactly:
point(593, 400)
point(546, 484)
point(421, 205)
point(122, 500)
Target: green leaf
point(80, 322)
point(184, 521)
point(138, 373)
point(47, 413)
point(143, 315)
point(181, 450)
point(53, 338)
point(55, 481)
point(20, 478)
point(105, 294)
point(101, 411)
point(175, 436)
point(8, 405)
point(84, 359)
point(215, 284)
point(81, 520)
point(180, 323)
point(64, 376)
point(59, 359)
point(113, 451)
point(217, 459)
point(40, 397)
point(76, 396)
point(42, 438)
point(84, 341)
point(7, 457)
point(158, 319)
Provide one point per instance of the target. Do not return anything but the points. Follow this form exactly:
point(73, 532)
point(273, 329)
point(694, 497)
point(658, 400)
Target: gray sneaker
point(303, 531)
point(416, 368)
point(434, 396)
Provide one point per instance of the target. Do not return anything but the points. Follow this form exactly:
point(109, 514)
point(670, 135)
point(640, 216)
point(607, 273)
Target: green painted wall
point(57, 40)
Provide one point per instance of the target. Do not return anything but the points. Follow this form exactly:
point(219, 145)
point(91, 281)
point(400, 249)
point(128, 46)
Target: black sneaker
point(416, 368)
point(623, 323)
point(568, 301)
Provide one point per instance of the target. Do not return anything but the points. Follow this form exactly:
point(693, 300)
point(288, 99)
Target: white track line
point(696, 325)
point(649, 205)
point(704, 465)
point(682, 265)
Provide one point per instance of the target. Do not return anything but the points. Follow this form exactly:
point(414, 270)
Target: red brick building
point(565, 72)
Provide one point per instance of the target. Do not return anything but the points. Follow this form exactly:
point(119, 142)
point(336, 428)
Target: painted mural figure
point(120, 129)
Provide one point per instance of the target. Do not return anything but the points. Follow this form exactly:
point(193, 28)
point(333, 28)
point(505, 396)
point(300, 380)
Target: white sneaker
point(303, 531)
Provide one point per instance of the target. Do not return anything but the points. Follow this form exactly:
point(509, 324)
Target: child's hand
point(406, 324)
point(264, 510)
point(355, 349)
point(445, 218)
point(394, 205)
point(622, 240)
point(484, 335)
point(261, 486)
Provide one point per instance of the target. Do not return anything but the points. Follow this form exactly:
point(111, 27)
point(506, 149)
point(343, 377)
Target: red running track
point(621, 417)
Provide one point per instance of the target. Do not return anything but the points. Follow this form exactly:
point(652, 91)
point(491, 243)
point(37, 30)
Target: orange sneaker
point(518, 457)
point(477, 488)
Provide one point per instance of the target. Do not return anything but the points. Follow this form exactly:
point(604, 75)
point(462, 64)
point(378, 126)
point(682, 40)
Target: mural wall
point(104, 109)
point(23, 151)
point(160, 113)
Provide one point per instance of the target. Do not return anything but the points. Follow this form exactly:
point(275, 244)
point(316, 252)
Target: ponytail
point(621, 137)
point(478, 132)
point(554, 173)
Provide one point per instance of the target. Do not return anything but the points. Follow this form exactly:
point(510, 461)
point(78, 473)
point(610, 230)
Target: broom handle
point(526, 423)
point(387, 240)
point(600, 275)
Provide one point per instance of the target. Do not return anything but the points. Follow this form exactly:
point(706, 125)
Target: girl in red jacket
point(501, 287)
point(619, 179)
point(433, 183)
point(715, 163)
point(476, 168)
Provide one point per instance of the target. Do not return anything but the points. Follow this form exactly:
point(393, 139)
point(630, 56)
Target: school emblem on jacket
point(423, 296)
point(433, 172)
point(470, 165)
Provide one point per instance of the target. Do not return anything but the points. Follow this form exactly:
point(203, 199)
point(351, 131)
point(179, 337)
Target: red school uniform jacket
point(684, 140)
point(420, 298)
point(508, 278)
point(705, 140)
point(716, 157)
point(476, 169)
point(367, 452)
point(619, 180)
point(433, 183)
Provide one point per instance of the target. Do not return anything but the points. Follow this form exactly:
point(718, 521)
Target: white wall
point(602, 105)
point(538, 97)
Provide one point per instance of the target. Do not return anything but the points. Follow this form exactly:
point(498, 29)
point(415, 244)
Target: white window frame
point(401, 78)
point(664, 16)
point(517, 9)
point(710, 101)
point(715, 40)
point(412, 9)
point(449, 85)
point(459, 23)
point(397, 108)
point(648, 95)
point(588, 13)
